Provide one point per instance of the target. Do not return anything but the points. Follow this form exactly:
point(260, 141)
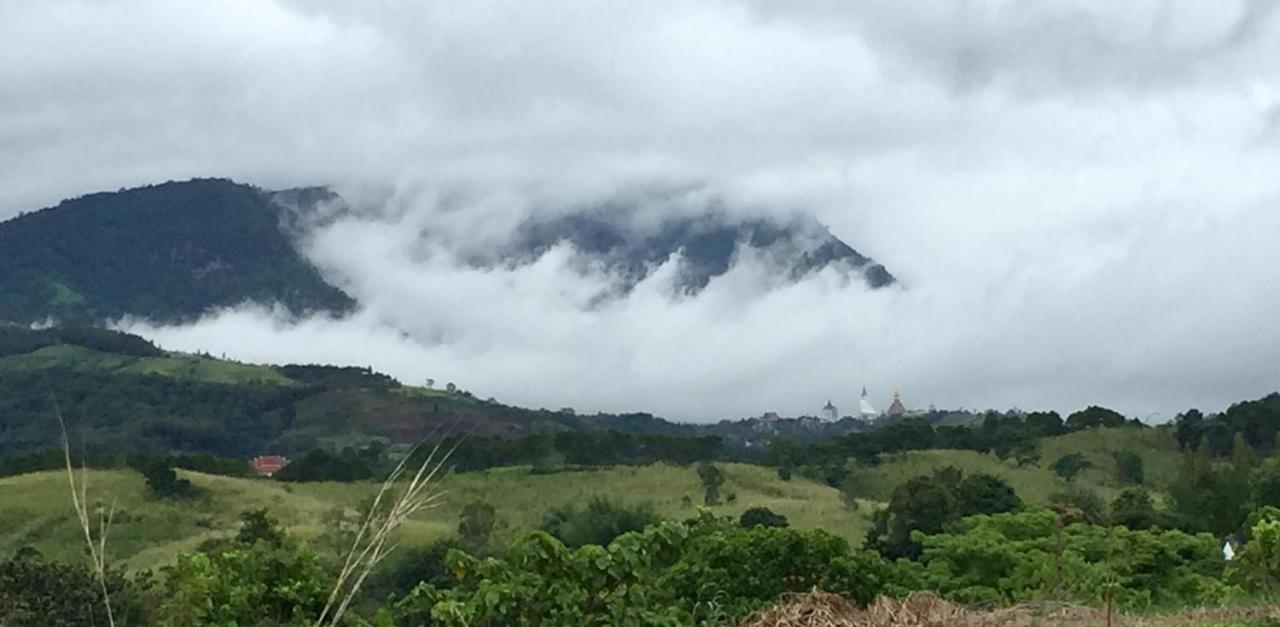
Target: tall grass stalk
point(80, 501)
point(372, 541)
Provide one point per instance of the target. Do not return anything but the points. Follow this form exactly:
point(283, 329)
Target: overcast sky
point(1081, 198)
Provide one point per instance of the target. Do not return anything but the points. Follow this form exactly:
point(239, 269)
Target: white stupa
point(864, 406)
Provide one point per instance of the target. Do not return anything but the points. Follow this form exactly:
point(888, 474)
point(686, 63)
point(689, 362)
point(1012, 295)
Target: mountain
point(167, 252)
point(172, 252)
point(629, 245)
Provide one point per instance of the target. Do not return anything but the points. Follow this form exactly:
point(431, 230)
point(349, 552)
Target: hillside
point(167, 252)
point(119, 393)
point(149, 531)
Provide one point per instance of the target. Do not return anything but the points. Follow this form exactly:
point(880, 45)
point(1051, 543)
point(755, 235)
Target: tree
point(1070, 465)
point(1133, 508)
point(1189, 428)
point(1243, 456)
point(1129, 468)
point(1094, 416)
point(163, 482)
point(985, 494)
point(478, 520)
point(712, 478)
point(258, 525)
point(1266, 484)
point(920, 504)
point(761, 516)
point(1045, 423)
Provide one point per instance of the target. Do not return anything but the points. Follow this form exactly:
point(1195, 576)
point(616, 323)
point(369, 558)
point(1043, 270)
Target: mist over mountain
point(612, 238)
point(176, 251)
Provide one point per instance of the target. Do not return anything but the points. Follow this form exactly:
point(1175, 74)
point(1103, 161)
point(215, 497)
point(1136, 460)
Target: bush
point(712, 478)
point(1133, 508)
point(598, 523)
point(321, 465)
point(1014, 558)
point(705, 571)
point(478, 521)
point(1079, 505)
point(1259, 564)
point(1129, 468)
point(163, 482)
point(762, 517)
point(36, 592)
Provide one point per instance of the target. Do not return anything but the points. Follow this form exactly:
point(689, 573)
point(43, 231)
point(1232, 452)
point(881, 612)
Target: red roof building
point(267, 465)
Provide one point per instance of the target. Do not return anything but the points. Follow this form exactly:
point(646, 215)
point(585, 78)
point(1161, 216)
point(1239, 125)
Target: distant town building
point(770, 416)
point(829, 412)
point(267, 465)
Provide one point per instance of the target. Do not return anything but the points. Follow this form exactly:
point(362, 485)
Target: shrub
point(36, 592)
point(1259, 564)
point(478, 521)
point(1133, 508)
point(163, 482)
point(712, 478)
point(763, 517)
point(598, 523)
point(1129, 468)
point(704, 571)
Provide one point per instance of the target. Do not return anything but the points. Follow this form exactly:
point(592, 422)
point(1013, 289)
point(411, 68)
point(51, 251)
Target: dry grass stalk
point(80, 500)
point(371, 543)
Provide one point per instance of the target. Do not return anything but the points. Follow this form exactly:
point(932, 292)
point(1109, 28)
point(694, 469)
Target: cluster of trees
point(928, 503)
point(114, 412)
point(1255, 422)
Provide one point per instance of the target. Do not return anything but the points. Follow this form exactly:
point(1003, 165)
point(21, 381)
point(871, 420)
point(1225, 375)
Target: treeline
point(53, 459)
point(113, 412)
point(339, 376)
point(16, 340)
point(1254, 422)
point(1010, 435)
point(544, 451)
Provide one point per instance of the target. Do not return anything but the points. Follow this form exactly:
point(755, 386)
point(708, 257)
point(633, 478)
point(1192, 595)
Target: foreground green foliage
point(705, 571)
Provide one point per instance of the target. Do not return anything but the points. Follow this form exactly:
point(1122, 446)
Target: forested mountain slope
point(167, 252)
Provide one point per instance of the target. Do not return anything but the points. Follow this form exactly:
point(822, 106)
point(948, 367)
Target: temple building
point(829, 412)
point(865, 410)
point(896, 408)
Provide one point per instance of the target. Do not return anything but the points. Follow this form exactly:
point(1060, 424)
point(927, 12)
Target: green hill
point(148, 531)
point(166, 252)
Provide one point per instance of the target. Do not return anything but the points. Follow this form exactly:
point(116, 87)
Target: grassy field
point(1036, 483)
point(178, 365)
point(35, 509)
